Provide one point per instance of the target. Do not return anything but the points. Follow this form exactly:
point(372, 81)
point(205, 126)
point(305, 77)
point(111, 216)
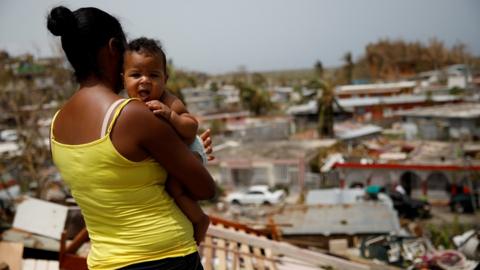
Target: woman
point(114, 155)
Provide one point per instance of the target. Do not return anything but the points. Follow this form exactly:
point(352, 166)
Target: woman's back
point(129, 215)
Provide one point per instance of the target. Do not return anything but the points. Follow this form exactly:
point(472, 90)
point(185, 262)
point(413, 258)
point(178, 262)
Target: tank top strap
point(107, 115)
point(51, 124)
point(117, 113)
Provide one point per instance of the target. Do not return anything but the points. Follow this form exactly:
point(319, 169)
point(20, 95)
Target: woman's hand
point(207, 144)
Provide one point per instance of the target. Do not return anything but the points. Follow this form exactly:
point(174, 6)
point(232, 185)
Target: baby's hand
point(160, 109)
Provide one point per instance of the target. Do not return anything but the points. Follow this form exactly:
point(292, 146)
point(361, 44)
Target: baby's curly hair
point(149, 46)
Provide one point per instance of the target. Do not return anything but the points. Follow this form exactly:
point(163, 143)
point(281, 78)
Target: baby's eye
point(154, 75)
point(135, 75)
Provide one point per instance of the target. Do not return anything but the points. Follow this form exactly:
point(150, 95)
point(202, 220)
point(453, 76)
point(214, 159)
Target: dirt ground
point(441, 215)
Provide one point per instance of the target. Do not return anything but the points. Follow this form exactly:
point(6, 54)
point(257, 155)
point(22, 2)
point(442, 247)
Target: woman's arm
point(158, 139)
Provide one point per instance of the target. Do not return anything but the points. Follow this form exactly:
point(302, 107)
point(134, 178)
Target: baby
point(145, 76)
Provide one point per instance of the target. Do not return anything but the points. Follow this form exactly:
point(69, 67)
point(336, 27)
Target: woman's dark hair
point(83, 33)
point(149, 46)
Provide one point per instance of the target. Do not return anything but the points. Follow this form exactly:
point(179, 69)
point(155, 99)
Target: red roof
point(397, 166)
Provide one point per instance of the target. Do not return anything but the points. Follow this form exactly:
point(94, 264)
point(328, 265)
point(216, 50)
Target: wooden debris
point(11, 254)
point(236, 246)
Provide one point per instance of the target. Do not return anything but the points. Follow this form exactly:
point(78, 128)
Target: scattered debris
point(413, 253)
point(41, 217)
point(11, 255)
point(469, 244)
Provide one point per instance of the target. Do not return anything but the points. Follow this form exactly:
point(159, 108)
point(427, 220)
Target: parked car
point(409, 207)
point(257, 195)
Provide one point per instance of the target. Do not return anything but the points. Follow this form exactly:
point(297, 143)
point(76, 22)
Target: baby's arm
point(185, 124)
point(173, 110)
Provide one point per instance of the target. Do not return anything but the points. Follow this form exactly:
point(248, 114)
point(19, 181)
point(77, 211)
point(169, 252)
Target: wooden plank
point(315, 258)
point(53, 265)
point(247, 258)
point(221, 253)
point(259, 263)
point(11, 253)
point(241, 253)
point(338, 246)
point(287, 263)
point(269, 254)
point(234, 250)
point(232, 247)
point(208, 253)
point(41, 217)
point(232, 224)
point(28, 264)
point(41, 265)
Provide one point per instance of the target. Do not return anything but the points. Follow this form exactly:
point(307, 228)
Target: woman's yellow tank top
point(129, 216)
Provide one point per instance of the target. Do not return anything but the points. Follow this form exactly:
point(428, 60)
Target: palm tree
point(319, 69)
point(325, 111)
point(255, 99)
point(348, 67)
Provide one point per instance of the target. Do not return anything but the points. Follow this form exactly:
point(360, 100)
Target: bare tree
point(30, 94)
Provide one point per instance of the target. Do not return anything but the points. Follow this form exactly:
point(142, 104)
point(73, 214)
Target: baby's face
point(143, 76)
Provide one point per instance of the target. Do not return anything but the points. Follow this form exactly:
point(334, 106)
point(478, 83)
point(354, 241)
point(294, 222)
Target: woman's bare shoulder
point(138, 117)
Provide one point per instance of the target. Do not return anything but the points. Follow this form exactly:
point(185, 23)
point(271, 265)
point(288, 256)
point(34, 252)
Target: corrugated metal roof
point(348, 103)
point(357, 132)
point(369, 101)
point(308, 108)
point(272, 150)
point(360, 218)
point(333, 196)
point(463, 110)
point(375, 86)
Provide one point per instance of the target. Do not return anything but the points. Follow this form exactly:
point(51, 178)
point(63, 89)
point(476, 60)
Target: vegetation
point(390, 60)
point(441, 235)
point(27, 88)
point(325, 111)
point(178, 79)
point(255, 98)
point(348, 67)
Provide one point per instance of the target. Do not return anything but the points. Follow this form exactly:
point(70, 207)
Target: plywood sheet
point(41, 217)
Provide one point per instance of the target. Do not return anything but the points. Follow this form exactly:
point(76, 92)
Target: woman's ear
point(114, 46)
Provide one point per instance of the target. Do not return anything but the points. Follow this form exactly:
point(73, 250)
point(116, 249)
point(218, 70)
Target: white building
point(199, 101)
point(452, 121)
point(278, 162)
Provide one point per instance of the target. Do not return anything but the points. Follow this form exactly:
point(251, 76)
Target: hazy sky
point(217, 36)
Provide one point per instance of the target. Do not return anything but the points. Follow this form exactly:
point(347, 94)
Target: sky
point(219, 36)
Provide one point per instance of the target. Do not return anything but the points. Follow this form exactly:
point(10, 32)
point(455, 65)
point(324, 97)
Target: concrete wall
point(447, 128)
point(423, 183)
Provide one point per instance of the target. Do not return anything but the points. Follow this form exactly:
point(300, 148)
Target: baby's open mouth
point(143, 94)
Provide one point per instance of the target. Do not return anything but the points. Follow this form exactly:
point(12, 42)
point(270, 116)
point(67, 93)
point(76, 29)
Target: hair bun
point(61, 21)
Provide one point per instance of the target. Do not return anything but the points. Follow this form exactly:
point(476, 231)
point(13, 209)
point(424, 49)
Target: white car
point(256, 195)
